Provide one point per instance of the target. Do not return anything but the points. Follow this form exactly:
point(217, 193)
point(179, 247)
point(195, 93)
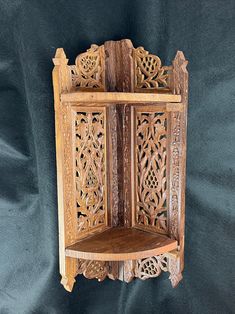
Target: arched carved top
point(149, 72)
point(88, 71)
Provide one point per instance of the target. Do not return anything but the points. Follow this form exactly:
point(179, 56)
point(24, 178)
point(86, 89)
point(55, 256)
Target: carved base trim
point(150, 267)
point(93, 269)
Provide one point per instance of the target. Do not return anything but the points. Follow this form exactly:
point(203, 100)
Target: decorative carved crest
point(151, 133)
point(149, 72)
point(90, 168)
point(88, 71)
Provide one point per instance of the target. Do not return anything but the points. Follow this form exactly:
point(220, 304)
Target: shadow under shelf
point(119, 244)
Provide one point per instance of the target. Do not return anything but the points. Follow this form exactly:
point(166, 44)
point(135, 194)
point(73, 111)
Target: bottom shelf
point(120, 244)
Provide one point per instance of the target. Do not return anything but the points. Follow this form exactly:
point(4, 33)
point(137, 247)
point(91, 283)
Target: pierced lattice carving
point(93, 269)
point(151, 267)
point(90, 169)
point(149, 72)
point(88, 71)
point(151, 170)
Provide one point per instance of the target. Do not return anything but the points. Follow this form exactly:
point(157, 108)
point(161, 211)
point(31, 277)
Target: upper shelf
point(119, 244)
point(119, 97)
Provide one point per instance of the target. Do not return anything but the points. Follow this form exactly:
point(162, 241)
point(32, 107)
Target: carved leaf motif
point(149, 72)
point(151, 169)
point(88, 71)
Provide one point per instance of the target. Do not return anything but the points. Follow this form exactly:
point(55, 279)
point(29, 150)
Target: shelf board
point(119, 244)
point(119, 97)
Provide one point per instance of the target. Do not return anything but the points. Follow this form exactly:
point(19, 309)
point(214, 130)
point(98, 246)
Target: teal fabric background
point(30, 32)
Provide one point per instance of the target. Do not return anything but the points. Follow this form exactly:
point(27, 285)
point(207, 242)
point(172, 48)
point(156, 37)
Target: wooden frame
point(121, 150)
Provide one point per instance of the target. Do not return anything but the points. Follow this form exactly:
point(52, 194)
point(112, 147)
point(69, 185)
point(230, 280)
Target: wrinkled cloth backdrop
point(30, 32)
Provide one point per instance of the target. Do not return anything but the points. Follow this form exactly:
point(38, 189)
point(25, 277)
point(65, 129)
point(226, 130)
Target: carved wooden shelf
point(121, 149)
point(121, 244)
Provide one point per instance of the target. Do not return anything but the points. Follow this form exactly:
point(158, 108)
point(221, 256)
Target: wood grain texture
point(119, 97)
point(120, 244)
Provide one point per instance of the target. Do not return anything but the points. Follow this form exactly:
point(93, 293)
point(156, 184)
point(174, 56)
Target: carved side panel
point(69, 206)
point(175, 150)
point(149, 72)
point(88, 71)
point(66, 208)
point(151, 170)
point(90, 168)
point(127, 183)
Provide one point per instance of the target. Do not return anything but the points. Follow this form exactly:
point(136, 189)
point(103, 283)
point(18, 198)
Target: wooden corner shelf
point(121, 244)
point(120, 122)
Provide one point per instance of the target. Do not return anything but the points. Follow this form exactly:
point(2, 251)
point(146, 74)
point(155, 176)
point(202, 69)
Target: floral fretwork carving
point(90, 169)
point(151, 170)
point(151, 267)
point(149, 72)
point(88, 71)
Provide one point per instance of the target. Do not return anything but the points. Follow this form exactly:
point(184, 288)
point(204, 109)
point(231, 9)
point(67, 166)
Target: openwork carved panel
point(151, 151)
point(88, 71)
point(89, 149)
point(149, 72)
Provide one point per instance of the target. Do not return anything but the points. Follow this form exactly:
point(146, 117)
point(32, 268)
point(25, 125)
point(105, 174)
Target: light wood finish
point(120, 244)
point(118, 98)
point(67, 228)
point(120, 120)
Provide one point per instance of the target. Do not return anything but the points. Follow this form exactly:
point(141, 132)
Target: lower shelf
point(120, 244)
